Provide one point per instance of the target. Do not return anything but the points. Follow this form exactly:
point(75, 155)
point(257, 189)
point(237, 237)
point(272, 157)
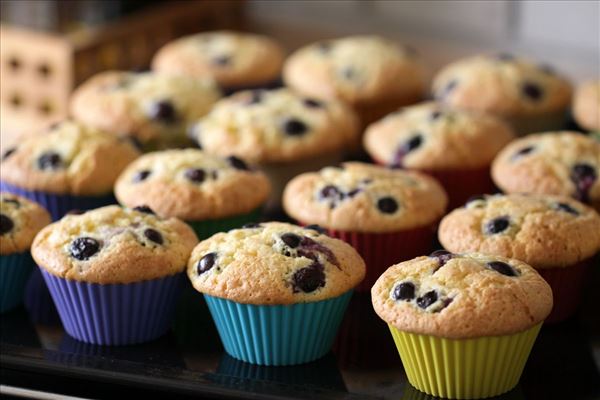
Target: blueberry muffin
point(586, 106)
point(373, 74)
point(564, 163)
point(262, 283)
point(235, 60)
point(556, 235)
point(72, 166)
point(387, 215)
point(445, 308)
point(283, 132)
point(20, 221)
point(116, 270)
point(531, 97)
point(211, 193)
point(155, 110)
point(457, 147)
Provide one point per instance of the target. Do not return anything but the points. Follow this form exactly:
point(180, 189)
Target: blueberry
point(195, 175)
point(404, 291)
point(317, 228)
point(427, 299)
point(8, 153)
point(206, 263)
point(144, 209)
point(312, 103)
point(566, 208)
point(6, 224)
point(387, 205)
point(408, 146)
point(83, 248)
point(353, 192)
point(447, 89)
point(502, 268)
point(294, 127)
point(153, 235)
point(496, 225)
point(163, 111)
point(583, 176)
point(237, 163)
point(532, 90)
point(442, 256)
point(435, 115)
point(222, 60)
point(141, 175)
point(522, 152)
point(309, 279)
point(49, 160)
point(330, 192)
point(291, 240)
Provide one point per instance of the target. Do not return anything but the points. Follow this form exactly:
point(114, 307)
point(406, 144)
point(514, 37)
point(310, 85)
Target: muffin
point(586, 106)
point(70, 167)
point(556, 235)
point(277, 284)
point(533, 98)
point(371, 73)
point(235, 60)
point(283, 132)
point(386, 215)
point(20, 221)
point(562, 163)
point(154, 110)
point(211, 193)
point(464, 324)
point(113, 273)
point(457, 147)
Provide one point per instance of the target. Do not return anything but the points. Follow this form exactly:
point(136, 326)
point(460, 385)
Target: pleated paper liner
point(567, 288)
point(278, 334)
point(115, 314)
point(14, 272)
point(464, 368)
point(59, 204)
point(207, 228)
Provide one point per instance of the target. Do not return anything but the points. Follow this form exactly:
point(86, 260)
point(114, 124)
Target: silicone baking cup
point(277, 334)
point(464, 368)
point(59, 204)
point(207, 228)
point(115, 314)
point(14, 272)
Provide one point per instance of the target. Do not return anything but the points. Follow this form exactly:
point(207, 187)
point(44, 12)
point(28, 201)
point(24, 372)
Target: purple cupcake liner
point(59, 204)
point(115, 314)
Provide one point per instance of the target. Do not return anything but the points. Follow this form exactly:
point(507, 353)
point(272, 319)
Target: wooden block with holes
point(39, 70)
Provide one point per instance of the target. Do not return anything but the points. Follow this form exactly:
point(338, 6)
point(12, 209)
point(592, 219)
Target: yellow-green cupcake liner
point(464, 368)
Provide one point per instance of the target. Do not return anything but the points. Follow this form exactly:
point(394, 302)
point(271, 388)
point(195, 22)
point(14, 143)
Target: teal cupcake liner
point(207, 228)
point(278, 334)
point(14, 271)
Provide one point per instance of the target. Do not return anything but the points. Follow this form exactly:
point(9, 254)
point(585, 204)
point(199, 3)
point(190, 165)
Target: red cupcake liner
point(382, 250)
point(567, 288)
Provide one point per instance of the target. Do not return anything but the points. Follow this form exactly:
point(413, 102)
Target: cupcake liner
point(382, 250)
point(461, 184)
point(207, 228)
point(567, 288)
point(14, 271)
point(38, 302)
point(115, 314)
point(546, 122)
point(277, 334)
point(59, 204)
point(370, 112)
point(464, 368)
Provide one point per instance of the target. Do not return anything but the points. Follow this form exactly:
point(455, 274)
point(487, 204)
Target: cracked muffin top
point(274, 263)
point(114, 245)
point(20, 220)
point(462, 296)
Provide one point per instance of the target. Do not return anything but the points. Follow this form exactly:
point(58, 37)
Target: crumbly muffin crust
point(20, 220)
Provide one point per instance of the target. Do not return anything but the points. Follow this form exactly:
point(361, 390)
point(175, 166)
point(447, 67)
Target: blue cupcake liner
point(59, 204)
point(14, 271)
point(278, 334)
point(115, 314)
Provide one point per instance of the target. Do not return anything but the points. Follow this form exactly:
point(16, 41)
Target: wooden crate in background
point(39, 70)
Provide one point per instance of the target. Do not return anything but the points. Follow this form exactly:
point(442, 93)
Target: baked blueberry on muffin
point(20, 221)
point(586, 106)
point(211, 193)
point(154, 110)
point(70, 167)
point(387, 215)
point(564, 163)
point(113, 273)
point(556, 235)
point(532, 97)
point(464, 324)
point(373, 74)
point(457, 147)
point(276, 283)
point(282, 131)
point(235, 60)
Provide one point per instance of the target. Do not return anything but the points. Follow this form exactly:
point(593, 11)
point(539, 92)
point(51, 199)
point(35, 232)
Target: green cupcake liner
point(207, 228)
point(14, 271)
